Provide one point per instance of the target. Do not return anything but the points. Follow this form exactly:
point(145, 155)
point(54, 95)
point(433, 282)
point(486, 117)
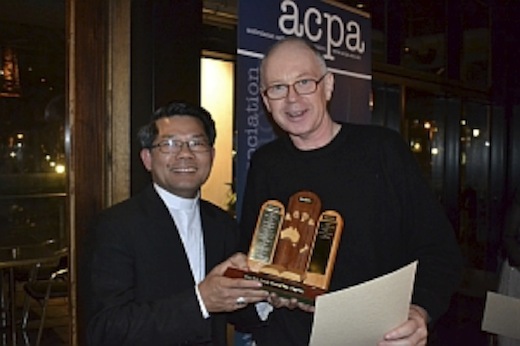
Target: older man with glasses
point(152, 270)
point(365, 173)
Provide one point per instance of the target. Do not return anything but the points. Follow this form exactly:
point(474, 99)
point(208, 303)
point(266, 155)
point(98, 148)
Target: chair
point(44, 289)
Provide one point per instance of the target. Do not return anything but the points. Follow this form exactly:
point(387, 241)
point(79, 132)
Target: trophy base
point(283, 288)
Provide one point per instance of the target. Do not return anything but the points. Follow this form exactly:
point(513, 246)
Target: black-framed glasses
point(174, 146)
point(304, 86)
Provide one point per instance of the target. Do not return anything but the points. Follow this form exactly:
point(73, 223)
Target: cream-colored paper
point(502, 315)
point(362, 314)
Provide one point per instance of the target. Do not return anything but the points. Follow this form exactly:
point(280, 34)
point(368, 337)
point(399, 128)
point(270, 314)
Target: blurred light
point(52, 164)
point(427, 125)
point(60, 169)
point(19, 135)
point(463, 122)
point(47, 157)
point(416, 147)
point(487, 144)
point(9, 76)
point(435, 151)
point(476, 132)
point(12, 154)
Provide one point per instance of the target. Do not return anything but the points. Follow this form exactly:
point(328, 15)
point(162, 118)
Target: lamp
point(9, 73)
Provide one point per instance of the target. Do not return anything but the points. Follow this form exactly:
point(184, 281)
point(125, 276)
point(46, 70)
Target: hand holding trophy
point(293, 251)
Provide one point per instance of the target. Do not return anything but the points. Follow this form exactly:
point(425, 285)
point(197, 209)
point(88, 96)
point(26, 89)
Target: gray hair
point(292, 39)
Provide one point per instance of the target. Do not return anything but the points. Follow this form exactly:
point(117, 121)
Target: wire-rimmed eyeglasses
point(174, 146)
point(304, 86)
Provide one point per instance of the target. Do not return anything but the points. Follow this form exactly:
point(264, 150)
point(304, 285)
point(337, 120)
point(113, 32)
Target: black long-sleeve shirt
point(391, 217)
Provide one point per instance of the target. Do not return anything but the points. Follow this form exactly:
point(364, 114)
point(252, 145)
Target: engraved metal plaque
point(266, 235)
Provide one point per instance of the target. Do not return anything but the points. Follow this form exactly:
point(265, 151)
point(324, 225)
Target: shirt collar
point(175, 202)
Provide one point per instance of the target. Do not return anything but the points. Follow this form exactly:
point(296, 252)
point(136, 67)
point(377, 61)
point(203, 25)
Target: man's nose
point(185, 150)
point(292, 94)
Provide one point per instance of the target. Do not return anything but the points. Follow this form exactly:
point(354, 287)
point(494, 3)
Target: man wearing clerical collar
point(153, 265)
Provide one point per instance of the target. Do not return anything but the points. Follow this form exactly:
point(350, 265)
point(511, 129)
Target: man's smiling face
point(184, 172)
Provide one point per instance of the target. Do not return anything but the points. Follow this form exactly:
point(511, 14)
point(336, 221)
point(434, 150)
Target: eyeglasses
point(304, 86)
point(173, 146)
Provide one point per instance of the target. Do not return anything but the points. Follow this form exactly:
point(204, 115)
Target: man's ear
point(146, 158)
point(266, 102)
point(329, 85)
point(212, 153)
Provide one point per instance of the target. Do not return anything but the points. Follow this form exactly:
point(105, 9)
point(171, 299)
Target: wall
point(217, 98)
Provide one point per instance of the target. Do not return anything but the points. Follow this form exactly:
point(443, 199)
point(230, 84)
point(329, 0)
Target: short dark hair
point(149, 132)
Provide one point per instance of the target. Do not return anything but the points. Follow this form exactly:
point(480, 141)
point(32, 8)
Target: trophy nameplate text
point(293, 250)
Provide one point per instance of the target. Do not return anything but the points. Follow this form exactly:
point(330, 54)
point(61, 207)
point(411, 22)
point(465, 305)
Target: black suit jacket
point(135, 284)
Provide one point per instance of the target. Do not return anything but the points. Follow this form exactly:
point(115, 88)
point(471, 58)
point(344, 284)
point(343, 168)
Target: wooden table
point(18, 251)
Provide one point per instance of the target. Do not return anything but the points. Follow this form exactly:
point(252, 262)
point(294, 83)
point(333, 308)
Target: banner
point(340, 33)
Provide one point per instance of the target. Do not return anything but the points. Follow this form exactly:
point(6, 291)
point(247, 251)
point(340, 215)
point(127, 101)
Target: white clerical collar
point(186, 215)
point(175, 202)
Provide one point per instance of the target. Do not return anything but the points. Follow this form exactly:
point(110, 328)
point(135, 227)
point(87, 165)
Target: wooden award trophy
point(293, 251)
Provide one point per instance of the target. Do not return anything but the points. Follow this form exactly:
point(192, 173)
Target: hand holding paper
point(363, 314)
point(414, 330)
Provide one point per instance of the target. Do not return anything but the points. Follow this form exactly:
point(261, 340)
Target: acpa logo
point(313, 24)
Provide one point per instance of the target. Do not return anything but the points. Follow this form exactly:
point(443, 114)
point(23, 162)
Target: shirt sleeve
point(203, 309)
